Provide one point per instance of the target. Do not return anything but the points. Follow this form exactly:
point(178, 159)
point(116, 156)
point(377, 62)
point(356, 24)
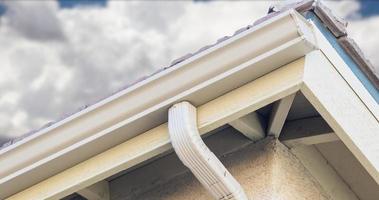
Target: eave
point(151, 143)
point(314, 75)
point(229, 86)
point(222, 68)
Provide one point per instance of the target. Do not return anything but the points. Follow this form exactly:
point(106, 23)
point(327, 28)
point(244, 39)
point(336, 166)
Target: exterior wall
point(266, 170)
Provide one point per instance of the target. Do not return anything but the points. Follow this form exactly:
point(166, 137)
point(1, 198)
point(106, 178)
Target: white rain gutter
point(192, 151)
point(143, 106)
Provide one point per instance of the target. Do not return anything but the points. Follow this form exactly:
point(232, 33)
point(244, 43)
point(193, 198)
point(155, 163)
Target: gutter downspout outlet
point(192, 151)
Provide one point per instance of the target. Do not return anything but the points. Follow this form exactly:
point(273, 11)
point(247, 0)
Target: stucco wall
point(266, 170)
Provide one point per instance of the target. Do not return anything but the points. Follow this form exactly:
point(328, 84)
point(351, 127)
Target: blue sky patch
point(201, 1)
point(75, 3)
point(369, 8)
point(2, 9)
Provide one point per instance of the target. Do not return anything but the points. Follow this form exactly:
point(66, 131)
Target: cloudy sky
point(56, 56)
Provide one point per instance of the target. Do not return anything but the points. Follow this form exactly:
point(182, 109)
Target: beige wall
point(266, 170)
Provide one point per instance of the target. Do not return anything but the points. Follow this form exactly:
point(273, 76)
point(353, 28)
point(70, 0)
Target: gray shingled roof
point(336, 25)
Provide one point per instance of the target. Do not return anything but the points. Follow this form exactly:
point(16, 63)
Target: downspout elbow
point(192, 151)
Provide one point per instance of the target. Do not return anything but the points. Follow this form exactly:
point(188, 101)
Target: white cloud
point(343, 8)
point(55, 60)
point(365, 32)
point(34, 20)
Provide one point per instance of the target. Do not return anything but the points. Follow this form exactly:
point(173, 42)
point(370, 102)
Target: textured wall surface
point(266, 170)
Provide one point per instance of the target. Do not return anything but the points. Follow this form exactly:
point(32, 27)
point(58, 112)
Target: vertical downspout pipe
point(192, 151)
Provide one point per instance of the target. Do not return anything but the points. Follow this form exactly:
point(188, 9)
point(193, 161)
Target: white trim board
point(343, 110)
point(342, 68)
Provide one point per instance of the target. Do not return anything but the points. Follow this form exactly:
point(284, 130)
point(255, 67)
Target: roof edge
point(337, 26)
point(256, 52)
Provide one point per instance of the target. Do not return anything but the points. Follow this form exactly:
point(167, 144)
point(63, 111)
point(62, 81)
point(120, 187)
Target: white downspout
point(192, 151)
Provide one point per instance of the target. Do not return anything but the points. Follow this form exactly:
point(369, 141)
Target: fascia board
point(341, 66)
point(213, 114)
point(345, 112)
point(218, 70)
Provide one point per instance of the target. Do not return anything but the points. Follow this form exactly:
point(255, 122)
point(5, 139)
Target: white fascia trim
point(343, 109)
point(340, 65)
point(143, 106)
point(193, 152)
